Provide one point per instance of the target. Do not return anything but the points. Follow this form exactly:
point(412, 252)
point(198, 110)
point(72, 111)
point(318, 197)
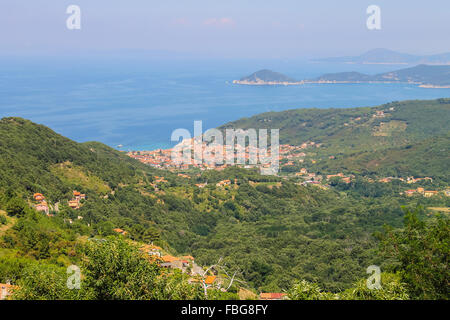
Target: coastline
point(267, 83)
point(277, 83)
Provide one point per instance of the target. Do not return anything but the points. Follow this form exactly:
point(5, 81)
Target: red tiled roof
point(271, 295)
point(210, 279)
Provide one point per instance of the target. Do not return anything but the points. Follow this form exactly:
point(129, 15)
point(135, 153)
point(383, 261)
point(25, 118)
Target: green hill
point(422, 74)
point(267, 76)
point(426, 158)
point(28, 152)
point(271, 230)
point(349, 133)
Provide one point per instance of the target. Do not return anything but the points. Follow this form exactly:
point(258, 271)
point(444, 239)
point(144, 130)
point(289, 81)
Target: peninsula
point(425, 76)
point(267, 77)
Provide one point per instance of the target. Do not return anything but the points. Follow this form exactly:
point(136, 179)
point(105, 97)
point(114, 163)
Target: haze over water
point(137, 103)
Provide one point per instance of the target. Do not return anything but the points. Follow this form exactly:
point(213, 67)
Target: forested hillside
point(408, 136)
point(270, 230)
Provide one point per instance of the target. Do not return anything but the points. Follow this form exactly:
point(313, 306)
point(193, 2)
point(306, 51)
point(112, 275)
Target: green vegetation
point(415, 141)
point(418, 256)
point(421, 74)
point(267, 76)
point(277, 235)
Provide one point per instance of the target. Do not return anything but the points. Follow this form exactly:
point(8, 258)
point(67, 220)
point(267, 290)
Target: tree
point(304, 290)
point(419, 252)
point(391, 289)
point(115, 269)
point(16, 207)
point(47, 282)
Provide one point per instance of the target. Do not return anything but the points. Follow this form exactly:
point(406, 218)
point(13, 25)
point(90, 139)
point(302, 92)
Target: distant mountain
point(386, 56)
point(424, 75)
point(266, 77)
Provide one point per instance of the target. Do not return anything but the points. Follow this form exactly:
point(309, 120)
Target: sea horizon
point(137, 103)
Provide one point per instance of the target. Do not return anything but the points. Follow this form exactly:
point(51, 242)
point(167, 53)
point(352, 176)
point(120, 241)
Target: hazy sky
point(225, 28)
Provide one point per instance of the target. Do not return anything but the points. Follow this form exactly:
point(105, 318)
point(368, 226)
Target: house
point(38, 197)
point(151, 250)
point(379, 114)
point(174, 263)
point(201, 185)
point(339, 175)
point(429, 193)
point(160, 179)
point(120, 231)
point(223, 183)
point(271, 296)
point(210, 280)
point(77, 195)
point(6, 290)
point(346, 179)
point(189, 258)
point(42, 206)
point(73, 204)
point(169, 259)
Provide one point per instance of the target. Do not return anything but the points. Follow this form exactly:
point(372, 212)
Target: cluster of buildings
point(346, 179)
point(425, 193)
point(185, 264)
point(41, 204)
point(379, 114)
point(312, 178)
point(162, 159)
point(407, 180)
point(382, 113)
point(75, 202)
point(226, 182)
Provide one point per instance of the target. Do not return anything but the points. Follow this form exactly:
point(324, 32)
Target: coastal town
point(163, 158)
point(290, 157)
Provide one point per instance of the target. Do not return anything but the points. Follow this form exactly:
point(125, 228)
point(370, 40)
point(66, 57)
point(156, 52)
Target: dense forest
point(274, 234)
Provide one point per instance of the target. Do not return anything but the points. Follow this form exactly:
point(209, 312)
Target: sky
point(223, 29)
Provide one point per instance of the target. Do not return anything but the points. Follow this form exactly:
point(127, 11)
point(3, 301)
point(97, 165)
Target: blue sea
point(138, 102)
